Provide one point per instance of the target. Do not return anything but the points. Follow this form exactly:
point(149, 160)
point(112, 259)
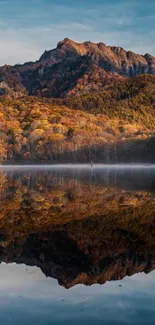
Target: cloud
point(26, 31)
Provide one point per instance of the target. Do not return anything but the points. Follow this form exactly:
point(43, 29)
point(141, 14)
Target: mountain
point(72, 69)
point(77, 103)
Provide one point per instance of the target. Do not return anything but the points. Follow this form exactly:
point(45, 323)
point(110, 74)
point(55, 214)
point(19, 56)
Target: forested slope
point(115, 125)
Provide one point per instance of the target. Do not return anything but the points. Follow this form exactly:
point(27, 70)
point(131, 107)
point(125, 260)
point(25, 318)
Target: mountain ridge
point(66, 70)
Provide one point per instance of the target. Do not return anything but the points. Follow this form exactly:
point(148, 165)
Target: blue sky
point(28, 27)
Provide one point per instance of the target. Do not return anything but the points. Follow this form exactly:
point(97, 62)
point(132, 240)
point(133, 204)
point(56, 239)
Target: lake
point(77, 244)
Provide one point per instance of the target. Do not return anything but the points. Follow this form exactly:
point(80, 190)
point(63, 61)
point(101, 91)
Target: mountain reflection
point(79, 225)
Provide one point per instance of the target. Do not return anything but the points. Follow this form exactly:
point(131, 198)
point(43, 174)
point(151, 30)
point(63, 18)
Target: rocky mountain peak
point(67, 69)
point(65, 42)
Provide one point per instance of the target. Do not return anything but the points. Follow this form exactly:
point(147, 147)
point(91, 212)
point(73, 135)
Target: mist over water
point(77, 243)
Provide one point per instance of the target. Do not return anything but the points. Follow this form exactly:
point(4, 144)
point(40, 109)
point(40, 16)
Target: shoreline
point(78, 166)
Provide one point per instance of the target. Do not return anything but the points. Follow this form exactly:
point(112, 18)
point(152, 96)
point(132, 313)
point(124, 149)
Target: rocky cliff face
point(75, 68)
point(111, 58)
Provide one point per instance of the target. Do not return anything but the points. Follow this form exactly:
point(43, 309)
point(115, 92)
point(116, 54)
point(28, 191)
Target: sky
point(29, 27)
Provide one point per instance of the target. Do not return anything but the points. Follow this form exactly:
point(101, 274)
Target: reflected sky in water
point(27, 295)
point(48, 228)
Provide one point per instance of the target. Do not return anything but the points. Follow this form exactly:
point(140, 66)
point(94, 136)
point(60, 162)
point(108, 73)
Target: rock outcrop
point(75, 68)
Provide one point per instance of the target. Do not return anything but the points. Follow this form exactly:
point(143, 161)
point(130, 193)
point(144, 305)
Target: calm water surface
point(77, 245)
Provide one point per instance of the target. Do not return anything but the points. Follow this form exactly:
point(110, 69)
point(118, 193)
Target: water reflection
point(79, 226)
point(78, 229)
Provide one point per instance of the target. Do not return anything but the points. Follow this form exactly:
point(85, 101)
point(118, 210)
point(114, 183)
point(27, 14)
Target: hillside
point(72, 69)
point(108, 126)
point(130, 99)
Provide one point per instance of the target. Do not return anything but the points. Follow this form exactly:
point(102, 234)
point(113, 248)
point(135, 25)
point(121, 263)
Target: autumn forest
point(78, 110)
